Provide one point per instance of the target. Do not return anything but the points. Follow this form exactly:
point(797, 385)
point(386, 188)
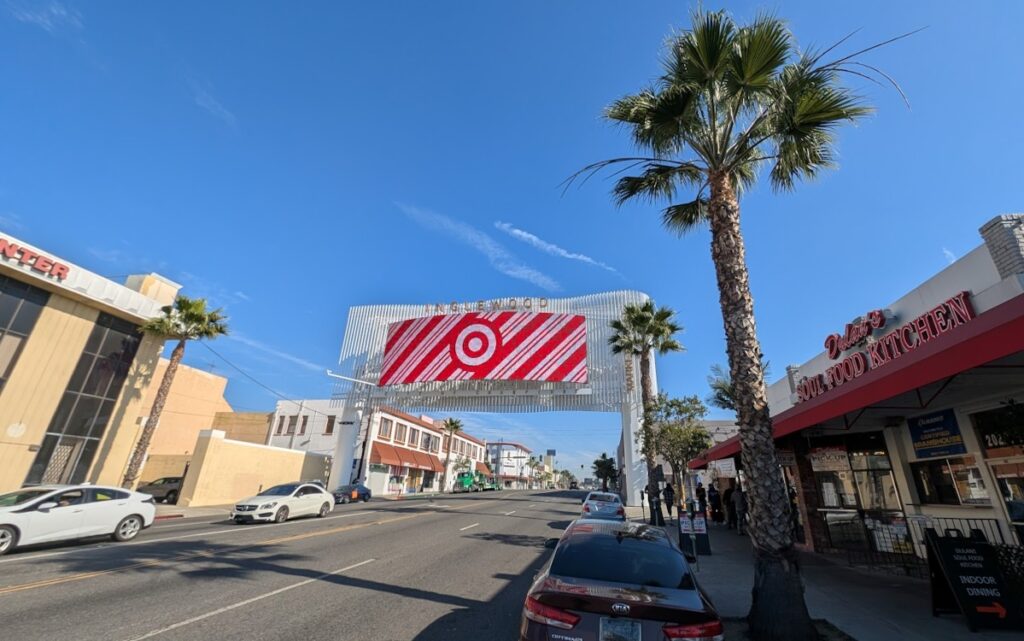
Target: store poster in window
point(936, 434)
point(1002, 430)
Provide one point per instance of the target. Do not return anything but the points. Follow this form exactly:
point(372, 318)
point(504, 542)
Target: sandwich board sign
point(965, 577)
point(693, 534)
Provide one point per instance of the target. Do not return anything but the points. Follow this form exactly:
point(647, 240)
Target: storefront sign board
point(724, 468)
point(965, 577)
point(787, 458)
point(693, 535)
point(832, 458)
point(936, 434)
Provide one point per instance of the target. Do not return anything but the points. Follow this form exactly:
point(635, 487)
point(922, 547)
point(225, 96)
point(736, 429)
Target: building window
point(302, 426)
point(81, 418)
point(385, 428)
point(292, 422)
point(280, 423)
point(414, 436)
point(425, 442)
point(950, 481)
point(329, 429)
point(400, 432)
point(447, 443)
point(20, 305)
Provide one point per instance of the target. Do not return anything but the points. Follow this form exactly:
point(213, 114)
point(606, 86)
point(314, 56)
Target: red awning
point(997, 333)
point(384, 454)
point(422, 460)
point(435, 463)
point(483, 469)
point(408, 457)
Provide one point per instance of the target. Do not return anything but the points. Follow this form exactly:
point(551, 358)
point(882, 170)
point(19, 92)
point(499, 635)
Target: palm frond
point(657, 181)
point(685, 217)
point(762, 48)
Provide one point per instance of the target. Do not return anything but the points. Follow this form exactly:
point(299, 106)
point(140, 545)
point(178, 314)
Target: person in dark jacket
point(702, 499)
point(715, 503)
point(739, 504)
point(669, 496)
point(730, 513)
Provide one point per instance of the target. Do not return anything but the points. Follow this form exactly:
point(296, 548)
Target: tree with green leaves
point(734, 99)
point(451, 427)
point(187, 319)
point(680, 437)
point(605, 470)
point(645, 330)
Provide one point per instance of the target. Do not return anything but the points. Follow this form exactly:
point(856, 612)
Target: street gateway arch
point(506, 355)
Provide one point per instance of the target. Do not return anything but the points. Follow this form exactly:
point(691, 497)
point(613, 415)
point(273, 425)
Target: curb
point(164, 517)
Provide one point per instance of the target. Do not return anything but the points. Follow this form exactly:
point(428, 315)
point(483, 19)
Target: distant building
point(509, 462)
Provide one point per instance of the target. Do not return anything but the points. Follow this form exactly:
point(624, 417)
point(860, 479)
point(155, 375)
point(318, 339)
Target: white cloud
point(205, 100)
point(276, 353)
point(51, 17)
point(107, 255)
point(950, 256)
point(550, 248)
point(242, 295)
point(11, 221)
point(500, 258)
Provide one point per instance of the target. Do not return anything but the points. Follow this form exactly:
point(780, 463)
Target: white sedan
point(49, 513)
point(603, 505)
point(282, 502)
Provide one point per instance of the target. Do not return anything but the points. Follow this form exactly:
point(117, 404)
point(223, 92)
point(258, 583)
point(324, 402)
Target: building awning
point(408, 457)
point(995, 334)
point(483, 469)
point(384, 454)
point(435, 463)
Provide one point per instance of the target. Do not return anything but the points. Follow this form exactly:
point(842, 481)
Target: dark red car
point(615, 581)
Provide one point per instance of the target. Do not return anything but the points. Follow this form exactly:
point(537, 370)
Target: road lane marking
point(532, 505)
point(234, 528)
point(153, 562)
point(510, 513)
point(246, 602)
point(463, 529)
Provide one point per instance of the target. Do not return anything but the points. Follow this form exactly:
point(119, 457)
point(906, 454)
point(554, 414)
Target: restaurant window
point(84, 412)
point(280, 423)
point(950, 481)
point(293, 421)
point(872, 472)
point(400, 432)
point(305, 422)
point(425, 442)
point(329, 428)
point(20, 306)
point(385, 428)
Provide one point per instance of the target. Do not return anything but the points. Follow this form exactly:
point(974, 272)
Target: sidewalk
point(868, 606)
point(164, 512)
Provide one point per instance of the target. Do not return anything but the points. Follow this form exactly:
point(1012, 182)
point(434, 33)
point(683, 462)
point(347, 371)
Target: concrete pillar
point(634, 468)
point(1004, 237)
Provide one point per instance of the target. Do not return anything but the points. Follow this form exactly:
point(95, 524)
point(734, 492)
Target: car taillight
point(586, 508)
point(540, 613)
point(621, 512)
point(708, 631)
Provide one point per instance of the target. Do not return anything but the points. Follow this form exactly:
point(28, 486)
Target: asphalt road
point(454, 570)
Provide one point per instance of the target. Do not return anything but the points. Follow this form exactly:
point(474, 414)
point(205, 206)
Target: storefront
point(403, 454)
point(913, 415)
point(73, 367)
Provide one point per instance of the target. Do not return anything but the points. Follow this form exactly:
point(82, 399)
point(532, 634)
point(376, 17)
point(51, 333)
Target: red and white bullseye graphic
point(475, 345)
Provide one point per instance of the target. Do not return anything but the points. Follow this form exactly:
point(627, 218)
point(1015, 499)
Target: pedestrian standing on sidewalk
point(730, 513)
point(715, 503)
point(670, 498)
point(702, 499)
point(739, 504)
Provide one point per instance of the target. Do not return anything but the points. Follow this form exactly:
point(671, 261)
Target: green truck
point(474, 482)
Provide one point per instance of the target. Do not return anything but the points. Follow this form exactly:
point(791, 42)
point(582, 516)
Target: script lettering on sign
point(878, 352)
point(510, 346)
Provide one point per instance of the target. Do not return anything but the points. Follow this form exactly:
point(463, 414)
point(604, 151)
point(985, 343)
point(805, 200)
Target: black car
point(352, 492)
point(623, 581)
point(573, 485)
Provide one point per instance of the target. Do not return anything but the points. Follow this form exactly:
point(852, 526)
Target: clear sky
point(284, 159)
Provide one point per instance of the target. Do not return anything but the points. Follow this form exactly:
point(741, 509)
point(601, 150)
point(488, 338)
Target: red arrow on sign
point(996, 608)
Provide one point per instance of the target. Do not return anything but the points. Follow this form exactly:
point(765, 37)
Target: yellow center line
point(81, 576)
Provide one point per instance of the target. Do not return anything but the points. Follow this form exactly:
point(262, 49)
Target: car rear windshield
point(20, 496)
point(622, 559)
point(280, 490)
point(611, 498)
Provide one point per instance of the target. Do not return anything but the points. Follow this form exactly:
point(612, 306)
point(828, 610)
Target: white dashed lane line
point(463, 529)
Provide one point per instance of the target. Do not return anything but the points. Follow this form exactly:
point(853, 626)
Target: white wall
point(340, 445)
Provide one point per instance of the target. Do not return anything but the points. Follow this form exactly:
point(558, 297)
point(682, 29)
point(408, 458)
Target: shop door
point(412, 482)
point(1010, 480)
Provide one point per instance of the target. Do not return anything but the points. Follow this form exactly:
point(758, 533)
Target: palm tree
point(187, 319)
point(452, 426)
point(643, 330)
point(732, 100)
point(722, 394)
point(604, 469)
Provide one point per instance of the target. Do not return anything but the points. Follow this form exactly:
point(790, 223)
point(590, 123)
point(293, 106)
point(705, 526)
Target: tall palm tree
point(733, 100)
point(722, 394)
point(452, 426)
point(642, 331)
point(187, 319)
point(604, 469)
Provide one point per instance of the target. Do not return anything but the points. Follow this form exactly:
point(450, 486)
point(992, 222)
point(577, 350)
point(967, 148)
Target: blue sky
point(289, 160)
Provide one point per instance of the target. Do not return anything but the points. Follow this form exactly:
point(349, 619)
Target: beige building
point(192, 404)
point(74, 369)
point(249, 427)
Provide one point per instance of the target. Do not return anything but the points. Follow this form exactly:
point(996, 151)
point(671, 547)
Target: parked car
point(282, 502)
point(165, 489)
point(49, 513)
point(352, 492)
point(603, 505)
point(573, 485)
point(622, 581)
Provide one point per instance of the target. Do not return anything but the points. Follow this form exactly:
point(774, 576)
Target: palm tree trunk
point(778, 611)
point(447, 460)
point(142, 447)
point(647, 429)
